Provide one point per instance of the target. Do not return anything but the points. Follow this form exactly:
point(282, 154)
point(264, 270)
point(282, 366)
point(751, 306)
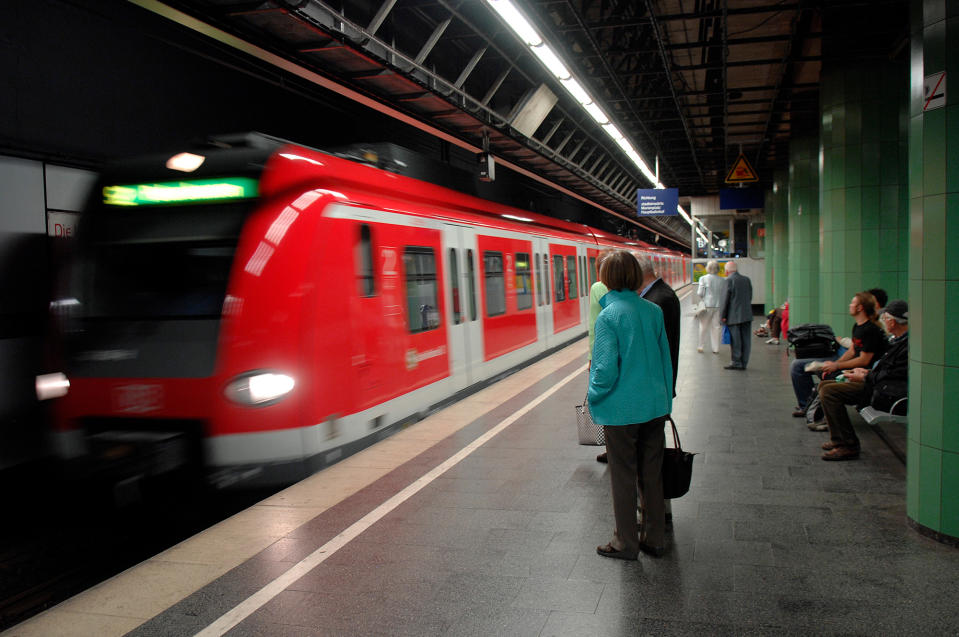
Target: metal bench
point(873, 416)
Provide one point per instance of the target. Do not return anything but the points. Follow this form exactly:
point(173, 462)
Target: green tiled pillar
point(769, 214)
point(864, 184)
point(932, 496)
point(803, 216)
point(779, 239)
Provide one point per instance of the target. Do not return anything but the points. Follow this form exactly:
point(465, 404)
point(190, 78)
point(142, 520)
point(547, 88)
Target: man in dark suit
point(654, 289)
point(736, 313)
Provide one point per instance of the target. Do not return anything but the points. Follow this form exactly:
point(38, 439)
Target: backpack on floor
point(812, 340)
point(814, 412)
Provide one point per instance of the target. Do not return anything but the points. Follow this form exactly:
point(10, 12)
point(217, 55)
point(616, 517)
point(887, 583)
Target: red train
point(275, 308)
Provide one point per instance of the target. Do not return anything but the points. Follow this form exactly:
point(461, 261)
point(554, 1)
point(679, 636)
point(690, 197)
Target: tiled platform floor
point(770, 539)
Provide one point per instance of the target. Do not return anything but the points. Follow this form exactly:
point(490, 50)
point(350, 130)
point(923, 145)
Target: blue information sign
point(657, 202)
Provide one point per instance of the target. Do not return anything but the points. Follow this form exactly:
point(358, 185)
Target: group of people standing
point(728, 302)
point(633, 326)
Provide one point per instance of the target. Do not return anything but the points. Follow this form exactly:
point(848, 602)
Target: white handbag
point(589, 432)
point(698, 309)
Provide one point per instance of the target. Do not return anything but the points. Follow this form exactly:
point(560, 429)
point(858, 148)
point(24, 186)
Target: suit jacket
point(662, 295)
point(737, 305)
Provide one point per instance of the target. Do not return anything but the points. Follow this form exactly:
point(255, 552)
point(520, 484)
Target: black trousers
point(637, 451)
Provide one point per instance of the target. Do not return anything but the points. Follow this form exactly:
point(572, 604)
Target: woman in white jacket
point(710, 291)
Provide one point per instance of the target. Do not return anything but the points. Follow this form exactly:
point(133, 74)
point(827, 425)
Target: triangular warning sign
point(741, 172)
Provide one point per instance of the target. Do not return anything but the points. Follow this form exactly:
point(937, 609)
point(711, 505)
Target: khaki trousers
point(636, 451)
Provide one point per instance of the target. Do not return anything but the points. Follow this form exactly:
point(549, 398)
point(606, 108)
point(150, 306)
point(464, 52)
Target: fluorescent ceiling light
point(516, 21)
point(613, 132)
point(596, 113)
point(551, 61)
point(576, 90)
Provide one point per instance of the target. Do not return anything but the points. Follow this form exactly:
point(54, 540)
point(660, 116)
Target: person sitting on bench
point(861, 386)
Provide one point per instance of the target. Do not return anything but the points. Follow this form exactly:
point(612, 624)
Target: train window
point(524, 281)
point(546, 295)
point(539, 279)
point(582, 276)
point(363, 253)
point(471, 284)
point(455, 287)
point(495, 283)
point(571, 268)
point(421, 307)
point(592, 271)
point(559, 281)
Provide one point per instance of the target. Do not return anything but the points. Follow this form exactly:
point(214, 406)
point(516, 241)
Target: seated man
point(868, 343)
point(860, 383)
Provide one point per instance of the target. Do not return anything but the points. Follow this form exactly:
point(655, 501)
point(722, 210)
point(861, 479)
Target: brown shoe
point(841, 453)
point(602, 458)
point(829, 444)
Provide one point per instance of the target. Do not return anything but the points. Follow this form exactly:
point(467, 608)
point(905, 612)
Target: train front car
point(155, 363)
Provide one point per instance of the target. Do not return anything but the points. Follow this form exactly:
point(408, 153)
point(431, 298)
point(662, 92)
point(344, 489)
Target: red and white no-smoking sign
point(934, 91)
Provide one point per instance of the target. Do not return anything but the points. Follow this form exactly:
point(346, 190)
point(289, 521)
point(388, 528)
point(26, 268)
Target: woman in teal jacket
point(630, 394)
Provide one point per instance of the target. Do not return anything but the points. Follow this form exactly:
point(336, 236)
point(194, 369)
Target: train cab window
point(524, 282)
point(559, 281)
point(495, 283)
point(363, 256)
point(421, 307)
point(546, 295)
point(571, 267)
point(455, 287)
point(592, 271)
point(471, 284)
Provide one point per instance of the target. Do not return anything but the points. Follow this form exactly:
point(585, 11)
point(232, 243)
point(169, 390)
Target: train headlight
point(259, 388)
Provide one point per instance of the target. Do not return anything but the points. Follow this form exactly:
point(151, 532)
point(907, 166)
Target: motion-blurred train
point(262, 309)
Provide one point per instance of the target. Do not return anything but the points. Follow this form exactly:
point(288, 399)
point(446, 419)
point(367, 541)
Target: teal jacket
point(631, 375)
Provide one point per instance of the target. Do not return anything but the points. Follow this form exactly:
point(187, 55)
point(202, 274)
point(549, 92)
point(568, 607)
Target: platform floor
point(483, 520)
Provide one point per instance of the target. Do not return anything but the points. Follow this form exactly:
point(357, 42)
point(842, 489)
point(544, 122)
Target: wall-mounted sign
point(934, 91)
point(657, 202)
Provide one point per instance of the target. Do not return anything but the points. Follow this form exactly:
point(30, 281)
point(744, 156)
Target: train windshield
point(162, 263)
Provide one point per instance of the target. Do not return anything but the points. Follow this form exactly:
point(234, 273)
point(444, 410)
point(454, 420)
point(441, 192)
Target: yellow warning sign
point(741, 172)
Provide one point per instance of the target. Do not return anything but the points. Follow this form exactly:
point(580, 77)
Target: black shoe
point(602, 458)
point(733, 367)
point(609, 551)
point(799, 412)
point(652, 551)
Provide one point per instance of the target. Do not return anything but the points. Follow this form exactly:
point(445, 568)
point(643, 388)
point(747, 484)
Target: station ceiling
point(691, 83)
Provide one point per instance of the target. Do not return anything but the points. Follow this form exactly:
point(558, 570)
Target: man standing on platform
point(654, 289)
point(737, 314)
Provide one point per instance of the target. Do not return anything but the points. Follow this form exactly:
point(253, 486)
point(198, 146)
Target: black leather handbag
point(677, 468)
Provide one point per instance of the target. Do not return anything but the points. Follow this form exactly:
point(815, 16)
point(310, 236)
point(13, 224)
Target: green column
point(932, 500)
point(803, 230)
point(864, 184)
point(769, 216)
point(780, 238)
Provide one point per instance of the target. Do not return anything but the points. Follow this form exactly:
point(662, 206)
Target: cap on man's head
point(898, 310)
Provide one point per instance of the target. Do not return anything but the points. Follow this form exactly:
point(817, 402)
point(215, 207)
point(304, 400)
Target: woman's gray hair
point(712, 267)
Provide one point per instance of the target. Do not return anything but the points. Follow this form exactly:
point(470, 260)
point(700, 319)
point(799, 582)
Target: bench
point(873, 416)
point(875, 419)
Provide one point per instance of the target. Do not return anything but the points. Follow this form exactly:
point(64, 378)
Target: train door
point(544, 315)
point(465, 334)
